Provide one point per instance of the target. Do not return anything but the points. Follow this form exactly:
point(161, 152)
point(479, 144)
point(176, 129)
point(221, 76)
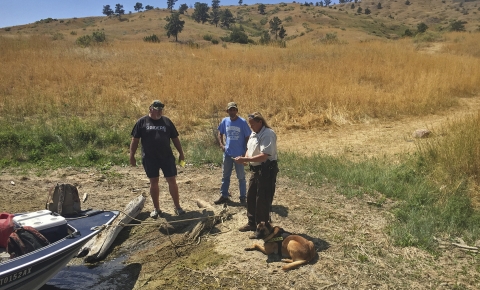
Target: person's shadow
point(280, 210)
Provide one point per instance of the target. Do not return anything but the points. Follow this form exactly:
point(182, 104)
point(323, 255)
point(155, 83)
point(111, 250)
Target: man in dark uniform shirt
point(156, 131)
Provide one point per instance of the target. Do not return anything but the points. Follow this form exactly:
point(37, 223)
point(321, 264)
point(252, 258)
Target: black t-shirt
point(155, 136)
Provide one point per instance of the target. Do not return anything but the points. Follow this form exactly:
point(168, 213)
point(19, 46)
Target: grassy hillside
point(388, 19)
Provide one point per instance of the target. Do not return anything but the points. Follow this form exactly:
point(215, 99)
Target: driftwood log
point(212, 214)
point(96, 248)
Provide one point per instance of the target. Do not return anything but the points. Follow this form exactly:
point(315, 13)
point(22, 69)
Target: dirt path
point(350, 235)
point(373, 139)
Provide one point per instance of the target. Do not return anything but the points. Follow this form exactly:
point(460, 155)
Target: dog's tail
point(294, 265)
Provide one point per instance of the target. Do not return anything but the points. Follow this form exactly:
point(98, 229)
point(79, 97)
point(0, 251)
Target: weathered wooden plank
point(97, 247)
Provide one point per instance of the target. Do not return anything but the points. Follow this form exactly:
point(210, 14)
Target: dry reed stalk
point(303, 86)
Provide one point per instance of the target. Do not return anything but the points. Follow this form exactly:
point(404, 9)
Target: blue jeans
point(227, 167)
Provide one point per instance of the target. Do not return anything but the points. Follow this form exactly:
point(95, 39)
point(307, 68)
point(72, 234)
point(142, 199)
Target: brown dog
point(300, 250)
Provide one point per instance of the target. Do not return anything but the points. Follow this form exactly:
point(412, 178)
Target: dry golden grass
point(305, 85)
point(463, 44)
point(308, 84)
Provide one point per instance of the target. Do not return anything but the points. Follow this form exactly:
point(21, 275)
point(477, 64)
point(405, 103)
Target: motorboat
point(66, 236)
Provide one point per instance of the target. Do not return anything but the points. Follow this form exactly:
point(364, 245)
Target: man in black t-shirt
point(156, 131)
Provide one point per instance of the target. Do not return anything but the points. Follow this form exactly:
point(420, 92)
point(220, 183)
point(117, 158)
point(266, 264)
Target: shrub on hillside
point(48, 20)
point(98, 36)
point(428, 37)
point(457, 25)
point(192, 44)
point(408, 33)
point(151, 38)
point(265, 38)
point(87, 40)
point(237, 35)
point(330, 38)
point(57, 36)
point(84, 41)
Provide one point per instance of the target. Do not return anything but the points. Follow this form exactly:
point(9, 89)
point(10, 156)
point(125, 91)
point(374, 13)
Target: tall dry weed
point(302, 86)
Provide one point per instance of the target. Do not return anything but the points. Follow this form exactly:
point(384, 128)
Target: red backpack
point(6, 228)
point(25, 240)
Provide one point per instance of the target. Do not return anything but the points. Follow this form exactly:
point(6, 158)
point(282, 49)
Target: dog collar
point(275, 239)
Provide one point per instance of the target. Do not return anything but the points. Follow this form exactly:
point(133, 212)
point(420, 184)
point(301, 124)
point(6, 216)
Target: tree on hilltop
point(215, 14)
point(170, 4)
point(226, 18)
point(183, 8)
point(174, 25)
point(200, 12)
point(261, 8)
point(215, 4)
point(138, 6)
point(275, 26)
point(215, 17)
point(119, 9)
point(107, 10)
point(149, 7)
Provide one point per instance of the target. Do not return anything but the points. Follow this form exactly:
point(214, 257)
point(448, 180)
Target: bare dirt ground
point(354, 250)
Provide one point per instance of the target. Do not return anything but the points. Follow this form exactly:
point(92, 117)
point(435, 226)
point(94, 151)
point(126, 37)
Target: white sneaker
point(155, 213)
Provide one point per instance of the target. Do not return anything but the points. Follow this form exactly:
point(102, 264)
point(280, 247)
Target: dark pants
point(260, 192)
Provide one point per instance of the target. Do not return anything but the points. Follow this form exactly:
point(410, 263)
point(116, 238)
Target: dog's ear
point(273, 234)
point(276, 230)
point(268, 225)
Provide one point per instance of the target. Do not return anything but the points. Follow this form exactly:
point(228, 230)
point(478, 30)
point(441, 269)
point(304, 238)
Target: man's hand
point(133, 161)
point(240, 160)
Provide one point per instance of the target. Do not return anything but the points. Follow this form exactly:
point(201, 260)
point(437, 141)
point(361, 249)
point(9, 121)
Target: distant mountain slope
point(387, 19)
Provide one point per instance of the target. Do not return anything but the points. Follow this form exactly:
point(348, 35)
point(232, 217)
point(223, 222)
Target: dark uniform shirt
point(155, 136)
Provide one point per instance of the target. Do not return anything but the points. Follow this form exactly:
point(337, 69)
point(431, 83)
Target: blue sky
point(18, 12)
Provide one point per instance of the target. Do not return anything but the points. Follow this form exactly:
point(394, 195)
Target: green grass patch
point(63, 142)
point(424, 211)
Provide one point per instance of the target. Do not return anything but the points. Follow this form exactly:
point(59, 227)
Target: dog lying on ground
point(300, 250)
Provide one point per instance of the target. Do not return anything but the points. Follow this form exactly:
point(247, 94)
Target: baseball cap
point(232, 105)
point(157, 105)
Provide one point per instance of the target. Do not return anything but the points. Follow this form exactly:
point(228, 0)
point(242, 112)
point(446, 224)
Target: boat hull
point(33, 270)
